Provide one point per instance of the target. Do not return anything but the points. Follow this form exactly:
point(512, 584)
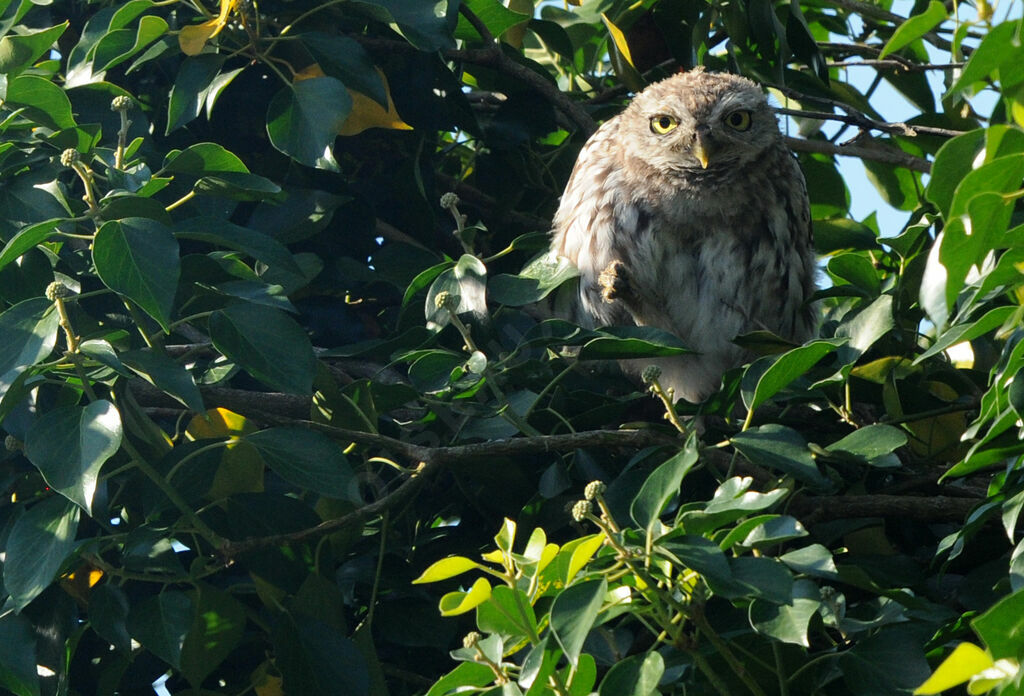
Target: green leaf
point(1002, 625)
point(432, 372)
point(39, 542)
point(839, 234)
point(777, 530)
point(534, 282)
point(108, 613)
point(814, 560)
point(314, 657)
point(195, 76)
point(346, 59)
point(455, 603)
point(426, 24)
point(781, 448)
point(573, 613)
point(28, 238)
point(467, 674)
point(999, 47)
point(18, 51)
point(888, 662)
point(29, 329)
point(120, 45)
point(990, 321)
point(165, 374)
point(784, 370)
point(447, 568)
point(44, 102)
point(621, 342)
point(966, 661)
point(699, 554)
point(662, 484)
point(915, 27)
point(237, 186)
point(858, 271)
point(759, 577)
point(787, 623)
point(217, 629)
point(203, 158)
point(266, 343)
point(69, 446)
point(496, 17)
point(222, 233)
point(507, 613)
point(138, 258)
point(306, 459)
point(870, 442)
point(304, 118)
point(18, 671)
point(637, 675)
point(161, 622)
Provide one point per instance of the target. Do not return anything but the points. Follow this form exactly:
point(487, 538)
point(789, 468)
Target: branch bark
point(877, 153)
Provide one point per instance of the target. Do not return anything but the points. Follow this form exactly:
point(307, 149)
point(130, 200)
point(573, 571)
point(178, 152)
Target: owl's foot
point(614, 282)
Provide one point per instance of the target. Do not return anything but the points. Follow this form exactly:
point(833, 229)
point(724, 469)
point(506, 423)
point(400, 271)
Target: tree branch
point(855, 118)
point(875, 153)
point(433, 459)
point(926, 509)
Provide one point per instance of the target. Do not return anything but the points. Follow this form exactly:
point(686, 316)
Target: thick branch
point(926, 509)
point(875, 154)
point(432, 459)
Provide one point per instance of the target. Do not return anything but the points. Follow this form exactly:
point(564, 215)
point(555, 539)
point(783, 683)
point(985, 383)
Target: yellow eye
point(738, 120)
point(663, 123)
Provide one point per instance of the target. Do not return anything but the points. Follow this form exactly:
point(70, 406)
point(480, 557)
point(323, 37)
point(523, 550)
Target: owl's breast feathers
point(706, 257)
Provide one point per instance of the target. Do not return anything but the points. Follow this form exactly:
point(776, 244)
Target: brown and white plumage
point(706, 252)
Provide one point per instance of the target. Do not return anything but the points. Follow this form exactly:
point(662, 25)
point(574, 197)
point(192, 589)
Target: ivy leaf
point(573, 613)
point(304, 118)
point(39, 542)
point(915, 27)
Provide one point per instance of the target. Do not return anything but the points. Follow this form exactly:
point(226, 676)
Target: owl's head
point(698, 120)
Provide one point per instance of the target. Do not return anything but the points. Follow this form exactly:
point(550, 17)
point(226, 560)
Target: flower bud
point(581, 509)
point(471, 639)
point(57, 291)
point(121, 103)
point(449, 200)
point(650, 374)
point(594, 489)
point(69, 157)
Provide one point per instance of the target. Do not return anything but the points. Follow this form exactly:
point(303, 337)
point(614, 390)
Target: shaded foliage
point(269, 370)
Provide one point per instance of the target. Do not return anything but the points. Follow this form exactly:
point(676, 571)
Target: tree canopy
point(280, 419)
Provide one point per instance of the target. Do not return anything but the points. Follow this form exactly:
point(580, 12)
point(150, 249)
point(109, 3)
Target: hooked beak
point(701, 146)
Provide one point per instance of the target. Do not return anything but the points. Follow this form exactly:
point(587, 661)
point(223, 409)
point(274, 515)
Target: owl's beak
point(701, 146)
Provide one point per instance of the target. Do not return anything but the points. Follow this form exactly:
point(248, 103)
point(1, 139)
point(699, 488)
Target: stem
point(181, 201)
point(122, 141)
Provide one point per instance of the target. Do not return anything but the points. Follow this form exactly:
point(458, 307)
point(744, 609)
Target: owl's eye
point(663, 123)
point(738, 120)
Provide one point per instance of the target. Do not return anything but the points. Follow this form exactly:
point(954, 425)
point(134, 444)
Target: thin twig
point(860, 120)
point(898, 64)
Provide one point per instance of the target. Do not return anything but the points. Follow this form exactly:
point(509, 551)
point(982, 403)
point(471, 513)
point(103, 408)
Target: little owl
point(687, 212)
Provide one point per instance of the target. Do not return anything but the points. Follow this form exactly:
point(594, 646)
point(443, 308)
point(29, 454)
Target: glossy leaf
point(165, 374)
point(635, 676)
point(30, 331)
point(304, 118)
point(161, 622)
point(268, 344)
point(782, 448)
point(662, 485)
point(573, 613)
point(69, 446)
point(785, 370)
point(18, 671)
point(138, 258)
point(18, 51)
point(306, 459)
point(788, 623)
point(619, 342)
point(446, 568)
point(40, 541)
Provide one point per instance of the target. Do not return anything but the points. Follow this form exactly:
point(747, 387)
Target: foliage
point(270, 378)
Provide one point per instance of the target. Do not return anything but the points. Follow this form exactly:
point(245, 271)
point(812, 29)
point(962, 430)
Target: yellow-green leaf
point(455, 603)
point(446, 568)
point(963, 663)
point(218, 422)
point(619, 38)
point(582, 551)
point(193, 38)
point(367, 113)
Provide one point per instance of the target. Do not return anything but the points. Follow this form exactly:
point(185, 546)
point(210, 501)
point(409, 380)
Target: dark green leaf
point(69, 446)
point(787, 623)
point(427, 25)
point(504, 613)
point(18, 51)
point(776, 530)
point(108, 612)
point(814, 560)
point(203, 158)
point(39, 542)
point(306, 459)
point(620, 342)
point(161, 622)
point(496, 17)
point(225, 234)
point(781, 448)
point(29, 329)
point(238, 186)
point(573, 613)
point(266, 343)
point(534, 282)
point(467, 674)
point(870, 442)
point(18, 671)
point(345, 59)
point(217, 629)
point(662, 485)
point(891, 661)
point(138, 258)
point(990, 321)
point(304, 119)
point(1002, 625)
point(195, 76)
point(784, 370)
point(165, 374)
point(761, 577)
point(637, 675)
point(432, 372)
point(699, 554)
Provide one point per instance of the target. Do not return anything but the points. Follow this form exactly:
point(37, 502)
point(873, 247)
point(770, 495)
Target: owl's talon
point(614, 282)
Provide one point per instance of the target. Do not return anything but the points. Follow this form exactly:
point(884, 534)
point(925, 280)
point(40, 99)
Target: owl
point(687, 212)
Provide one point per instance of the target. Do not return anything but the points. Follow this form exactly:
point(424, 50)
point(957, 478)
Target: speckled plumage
point(704, 252)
